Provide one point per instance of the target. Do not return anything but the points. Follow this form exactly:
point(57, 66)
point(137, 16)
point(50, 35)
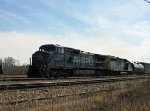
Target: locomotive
point(55, 60)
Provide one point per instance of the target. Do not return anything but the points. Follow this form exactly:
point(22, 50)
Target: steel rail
point(65, 83)
point(5, 79)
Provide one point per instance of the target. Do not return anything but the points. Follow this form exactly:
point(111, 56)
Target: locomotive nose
point(39, 58)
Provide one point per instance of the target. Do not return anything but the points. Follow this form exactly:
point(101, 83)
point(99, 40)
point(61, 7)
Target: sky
point(109, 27)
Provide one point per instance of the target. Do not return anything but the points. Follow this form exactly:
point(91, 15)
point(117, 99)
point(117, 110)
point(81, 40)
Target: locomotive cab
point(47, 60)
point(40, 61)
point(39, 58)
point(47, 48)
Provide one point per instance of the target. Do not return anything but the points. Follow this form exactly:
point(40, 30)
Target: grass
point(131, 96)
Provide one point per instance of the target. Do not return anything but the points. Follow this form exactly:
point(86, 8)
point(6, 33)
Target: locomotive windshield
point(47, 48)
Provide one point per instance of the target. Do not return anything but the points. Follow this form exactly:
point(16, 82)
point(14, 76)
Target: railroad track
point(6, 79)
point(61, 79)
point(35, 79)
point(15, 86)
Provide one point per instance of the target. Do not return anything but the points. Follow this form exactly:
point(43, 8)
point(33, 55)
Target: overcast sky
point(110, 27)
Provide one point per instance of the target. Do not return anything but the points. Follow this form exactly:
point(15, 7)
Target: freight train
point(55, 60)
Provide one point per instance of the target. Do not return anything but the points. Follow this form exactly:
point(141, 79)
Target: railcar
point(111, 65)
point(55, 60)
point(146, 67)
point(138, 68)
point(117, 66)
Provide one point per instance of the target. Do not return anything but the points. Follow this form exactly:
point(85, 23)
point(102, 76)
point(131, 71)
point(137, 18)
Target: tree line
point(12, 66)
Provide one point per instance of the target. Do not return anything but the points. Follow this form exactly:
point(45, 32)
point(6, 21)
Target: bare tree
point(12, 66)
point(9, 61)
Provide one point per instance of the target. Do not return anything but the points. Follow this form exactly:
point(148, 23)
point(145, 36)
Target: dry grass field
point(137, 98)
point(130, 96)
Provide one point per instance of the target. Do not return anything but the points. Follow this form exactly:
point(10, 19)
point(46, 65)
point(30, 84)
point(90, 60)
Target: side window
point(62, 50)
point(59, 50)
